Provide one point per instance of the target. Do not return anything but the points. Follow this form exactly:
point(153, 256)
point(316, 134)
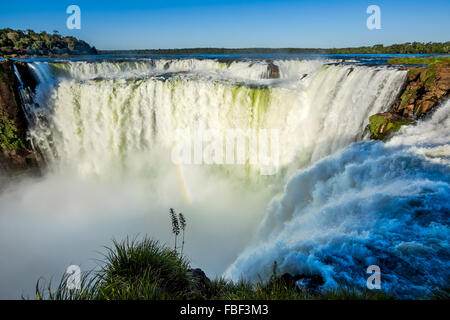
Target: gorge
point(101, 130)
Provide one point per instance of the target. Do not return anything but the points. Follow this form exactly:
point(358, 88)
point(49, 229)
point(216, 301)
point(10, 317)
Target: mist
point(49, 223)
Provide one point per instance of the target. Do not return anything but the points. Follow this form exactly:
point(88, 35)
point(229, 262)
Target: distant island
point(17, 43)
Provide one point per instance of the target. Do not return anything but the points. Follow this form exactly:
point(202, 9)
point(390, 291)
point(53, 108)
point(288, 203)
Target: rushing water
point(336, 204)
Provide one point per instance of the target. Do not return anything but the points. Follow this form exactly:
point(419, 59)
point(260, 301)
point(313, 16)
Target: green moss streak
point(376, 122)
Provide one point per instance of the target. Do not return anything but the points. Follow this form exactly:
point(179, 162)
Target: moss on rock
point(383, 125)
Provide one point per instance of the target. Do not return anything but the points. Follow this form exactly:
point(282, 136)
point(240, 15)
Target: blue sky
point(233, 24)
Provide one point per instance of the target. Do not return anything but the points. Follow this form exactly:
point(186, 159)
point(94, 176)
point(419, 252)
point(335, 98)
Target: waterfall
point(336, 204)
point(103, 115)
point(370, 204)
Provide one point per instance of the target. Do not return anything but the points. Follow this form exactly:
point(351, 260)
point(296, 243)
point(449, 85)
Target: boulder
point(273, 72)
point(200, 283)
point(383, 125)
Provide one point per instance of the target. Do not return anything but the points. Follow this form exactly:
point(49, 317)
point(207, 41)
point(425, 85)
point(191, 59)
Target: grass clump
point(419, 61)
point(132, 265)
point(133, 270)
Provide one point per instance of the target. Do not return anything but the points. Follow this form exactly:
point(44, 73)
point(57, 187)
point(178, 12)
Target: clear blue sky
point(233, 24)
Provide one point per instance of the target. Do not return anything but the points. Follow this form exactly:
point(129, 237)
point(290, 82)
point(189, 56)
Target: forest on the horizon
point(30, 43)
point(15, 43)
point(405, 48)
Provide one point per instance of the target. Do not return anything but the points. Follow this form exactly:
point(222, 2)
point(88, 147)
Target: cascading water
point(102, 113)
point(371, 204)
point(107, 129)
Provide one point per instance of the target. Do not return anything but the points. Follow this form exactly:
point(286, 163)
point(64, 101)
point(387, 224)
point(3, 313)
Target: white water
point(97, 125)
point(372, 203)
point(106, 130)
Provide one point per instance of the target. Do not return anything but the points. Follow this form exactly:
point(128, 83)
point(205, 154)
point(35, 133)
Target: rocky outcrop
point(273, 72)
point(15, 151)
point(425, 87)
point(383, 125)
point(199, 283)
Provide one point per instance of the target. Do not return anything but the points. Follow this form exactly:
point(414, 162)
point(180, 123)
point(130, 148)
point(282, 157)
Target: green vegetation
point(430, 61)
point(405, 48)
point(10, 136)
point(17, 43)
point(133, 270)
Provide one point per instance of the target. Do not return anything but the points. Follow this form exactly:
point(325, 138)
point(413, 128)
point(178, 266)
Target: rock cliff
point(425, 87)
point(15, 150)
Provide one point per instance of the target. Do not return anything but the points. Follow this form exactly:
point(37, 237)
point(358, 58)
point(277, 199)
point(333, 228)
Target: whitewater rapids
point(370, 204)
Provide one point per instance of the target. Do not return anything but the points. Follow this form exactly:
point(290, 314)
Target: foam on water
point(372, 203)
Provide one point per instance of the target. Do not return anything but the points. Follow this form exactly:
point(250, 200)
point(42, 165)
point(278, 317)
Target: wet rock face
point(384, 125)
point(26, 74)
point(15, 150)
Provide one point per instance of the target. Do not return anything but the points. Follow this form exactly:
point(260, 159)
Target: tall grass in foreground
point(132, 269)
point(145, 269)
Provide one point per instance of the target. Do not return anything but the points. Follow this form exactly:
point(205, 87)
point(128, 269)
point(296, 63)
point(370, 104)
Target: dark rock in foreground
point(200, 283)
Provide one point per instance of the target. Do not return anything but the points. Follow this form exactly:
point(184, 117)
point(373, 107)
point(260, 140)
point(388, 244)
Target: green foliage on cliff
point(405, 48)
point(17, 42)
point(382, 127)
point(10, 136)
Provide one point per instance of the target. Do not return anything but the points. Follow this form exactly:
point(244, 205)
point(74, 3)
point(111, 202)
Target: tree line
point(29, 42)
point(18, 43)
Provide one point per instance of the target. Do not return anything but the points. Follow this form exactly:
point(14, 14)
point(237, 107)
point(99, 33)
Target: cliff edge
point(16, 153)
